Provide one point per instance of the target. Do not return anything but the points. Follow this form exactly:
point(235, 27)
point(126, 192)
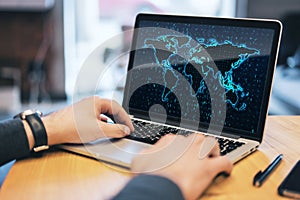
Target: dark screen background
point(225, 45)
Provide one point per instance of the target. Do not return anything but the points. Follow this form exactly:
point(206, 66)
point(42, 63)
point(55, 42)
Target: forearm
point(148, 187)
point(14, 142)
point(17, 141)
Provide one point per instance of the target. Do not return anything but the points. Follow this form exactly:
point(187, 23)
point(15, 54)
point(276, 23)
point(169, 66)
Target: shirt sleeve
point(13, 141)
point(149, 187)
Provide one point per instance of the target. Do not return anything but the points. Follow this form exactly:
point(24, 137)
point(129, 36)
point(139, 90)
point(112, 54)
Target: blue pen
point(260, 177)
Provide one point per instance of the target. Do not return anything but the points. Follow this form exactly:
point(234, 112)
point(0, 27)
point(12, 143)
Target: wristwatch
point(38, 130)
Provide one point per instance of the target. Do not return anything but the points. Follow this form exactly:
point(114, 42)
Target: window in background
point(285, 93)
point(89, 24)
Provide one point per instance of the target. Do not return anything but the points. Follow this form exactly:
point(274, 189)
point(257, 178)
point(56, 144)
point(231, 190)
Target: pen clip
point(256, 181)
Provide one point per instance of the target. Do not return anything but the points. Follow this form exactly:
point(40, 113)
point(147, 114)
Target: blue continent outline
point(181, 45)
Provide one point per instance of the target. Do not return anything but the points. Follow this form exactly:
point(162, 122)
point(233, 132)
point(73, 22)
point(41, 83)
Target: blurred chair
point(290, 36)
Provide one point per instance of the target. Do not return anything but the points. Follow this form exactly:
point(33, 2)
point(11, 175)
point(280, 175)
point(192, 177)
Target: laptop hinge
point(230, 135)
point(217, 133)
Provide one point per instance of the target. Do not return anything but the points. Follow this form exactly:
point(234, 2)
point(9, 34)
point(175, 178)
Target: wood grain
point(62, 175)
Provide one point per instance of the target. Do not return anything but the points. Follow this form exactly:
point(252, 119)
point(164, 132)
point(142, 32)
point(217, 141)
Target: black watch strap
point(37, 128)
point(38, 131)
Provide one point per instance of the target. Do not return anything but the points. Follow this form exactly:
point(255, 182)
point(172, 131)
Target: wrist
point(53, 136)
point(183, 184)
point(35, 129)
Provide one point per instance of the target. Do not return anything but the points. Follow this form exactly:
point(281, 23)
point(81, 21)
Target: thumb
point(115, 130)
point(221, 164)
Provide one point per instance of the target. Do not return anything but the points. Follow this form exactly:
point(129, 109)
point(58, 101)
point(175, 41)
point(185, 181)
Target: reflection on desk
point(61, 175)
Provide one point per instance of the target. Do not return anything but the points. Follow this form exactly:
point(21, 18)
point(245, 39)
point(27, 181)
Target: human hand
point(177, 158)
point(81, 122)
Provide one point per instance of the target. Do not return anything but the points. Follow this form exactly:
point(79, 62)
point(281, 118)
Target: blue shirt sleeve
point(13, 141)
point(149, 187)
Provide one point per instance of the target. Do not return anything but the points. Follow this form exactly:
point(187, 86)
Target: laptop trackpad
point(117, 151)
point(116, 145)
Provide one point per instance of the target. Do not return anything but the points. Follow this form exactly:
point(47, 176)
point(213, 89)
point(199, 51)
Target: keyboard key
point(227, 145)
point(151, 133)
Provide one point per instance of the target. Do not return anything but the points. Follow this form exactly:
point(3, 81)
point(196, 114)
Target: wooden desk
point(61, 175)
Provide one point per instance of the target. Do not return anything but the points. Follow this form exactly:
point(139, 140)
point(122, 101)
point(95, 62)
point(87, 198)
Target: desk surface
point(62, 175)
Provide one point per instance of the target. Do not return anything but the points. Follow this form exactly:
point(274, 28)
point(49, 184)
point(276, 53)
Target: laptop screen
point(179, 66)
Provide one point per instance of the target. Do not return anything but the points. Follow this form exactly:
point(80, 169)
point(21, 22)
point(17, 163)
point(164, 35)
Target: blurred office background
point(44, 45)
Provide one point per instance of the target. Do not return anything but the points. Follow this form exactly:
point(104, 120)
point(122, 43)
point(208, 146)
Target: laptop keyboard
point(227, 145)
point(150, 133)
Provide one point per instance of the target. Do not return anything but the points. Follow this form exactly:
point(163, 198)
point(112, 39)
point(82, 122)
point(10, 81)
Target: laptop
point(191, 74)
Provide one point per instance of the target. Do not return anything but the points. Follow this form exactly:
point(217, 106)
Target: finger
point(113, 108)
point(179, 142)
point(121, 115)
point(208, 148)
point(114, 130)
point(215, 150)
point(220, 164)
point(165, 139)
point(198, 137)
point(103, 118)
point(165, 152)
point(161, 143)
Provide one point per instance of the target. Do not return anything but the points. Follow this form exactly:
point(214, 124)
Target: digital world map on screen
point(235, 58)
point(170, 62)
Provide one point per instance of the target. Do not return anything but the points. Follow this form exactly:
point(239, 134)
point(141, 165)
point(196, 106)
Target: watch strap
point(38, 131)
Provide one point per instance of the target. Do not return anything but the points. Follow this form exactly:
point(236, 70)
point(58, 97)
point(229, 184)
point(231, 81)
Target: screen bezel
point(274, 25)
